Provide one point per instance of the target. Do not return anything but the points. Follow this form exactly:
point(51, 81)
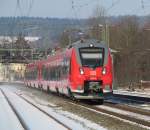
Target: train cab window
point(92, 57)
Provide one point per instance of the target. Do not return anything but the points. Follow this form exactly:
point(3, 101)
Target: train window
point(53, 73)
point(26, 74)
point(49, 73)
point(35, 73)
point(92, 57)
point(56, 73)
point(44, 72)
point(65, 67)
point(59, 72)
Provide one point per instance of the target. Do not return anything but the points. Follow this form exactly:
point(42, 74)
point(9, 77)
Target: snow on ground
point(131, 114)
point(73, 121)
point(34, 119)
point(44, 103)
point(145, 106)
point(8, 120)
point(39, 101)
point(140, 93)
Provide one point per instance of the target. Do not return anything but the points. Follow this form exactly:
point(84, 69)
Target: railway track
point(123, 108)
point(113, 110)
point(126, 113)
point(126, 101)
point(23, 124)
point(38, 117)
point(128, 108)
point(129, 114)
point(136, 116)
point(132, 97)
point(46, 113)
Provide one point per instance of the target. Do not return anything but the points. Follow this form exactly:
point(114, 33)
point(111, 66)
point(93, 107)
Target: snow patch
point(131, 114)
point(73, 121)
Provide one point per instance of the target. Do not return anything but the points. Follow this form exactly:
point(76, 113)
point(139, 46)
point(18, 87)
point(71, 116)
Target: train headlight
point(104, 71)
point(91, 45)
point(81, 71)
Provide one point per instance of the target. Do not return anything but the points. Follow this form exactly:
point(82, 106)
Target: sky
point(72, 8)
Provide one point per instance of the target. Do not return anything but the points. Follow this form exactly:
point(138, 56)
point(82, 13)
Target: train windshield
point(92, 57)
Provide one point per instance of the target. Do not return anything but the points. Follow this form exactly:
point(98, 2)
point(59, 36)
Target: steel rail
point(22, 122)
point(127, 108)
point(46, 113)
point(115, 114)
point(133, 98)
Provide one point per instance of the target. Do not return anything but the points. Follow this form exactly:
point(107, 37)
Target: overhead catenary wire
point(142, 8)
point(73, 9)
point(30, 7)
point(142, 4)
point(114, 3)
point(18, 13)
point(20, 4)
point(24, 8)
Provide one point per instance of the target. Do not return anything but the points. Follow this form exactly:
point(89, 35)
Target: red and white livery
point(83, 71)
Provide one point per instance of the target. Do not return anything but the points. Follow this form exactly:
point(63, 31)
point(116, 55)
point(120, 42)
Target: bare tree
point(132, 41)
point(64, 39)
point(98, 16)
point(97, 22)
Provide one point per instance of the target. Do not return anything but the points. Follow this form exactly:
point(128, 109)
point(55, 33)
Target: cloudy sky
point(71, 8)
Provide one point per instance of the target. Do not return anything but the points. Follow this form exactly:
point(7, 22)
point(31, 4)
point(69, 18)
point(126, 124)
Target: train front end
point(90, 70)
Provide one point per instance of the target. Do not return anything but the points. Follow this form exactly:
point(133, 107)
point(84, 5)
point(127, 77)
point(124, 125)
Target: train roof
point(84, 43)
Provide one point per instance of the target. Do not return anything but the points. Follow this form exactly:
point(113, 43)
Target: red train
point(83, 71)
